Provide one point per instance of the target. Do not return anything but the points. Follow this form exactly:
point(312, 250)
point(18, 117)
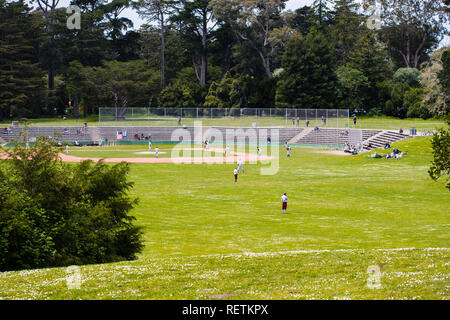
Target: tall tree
point(301, 19)
point(254, 22)
point(369, 57)
point(309, 78)
point(47, 8)
point(412, 28)
point(21, 78)
point(444, 75)
point(347, 28)
point(196, 21)
point(157, 11)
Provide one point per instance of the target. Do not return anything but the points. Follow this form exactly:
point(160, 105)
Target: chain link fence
point(336, 118)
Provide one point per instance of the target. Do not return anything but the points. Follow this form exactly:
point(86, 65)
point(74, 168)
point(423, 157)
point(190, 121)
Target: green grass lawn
point(207, 237)
point(387, 123)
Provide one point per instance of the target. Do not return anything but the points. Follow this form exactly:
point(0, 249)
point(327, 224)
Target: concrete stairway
point(379, 140)
point(301, 135)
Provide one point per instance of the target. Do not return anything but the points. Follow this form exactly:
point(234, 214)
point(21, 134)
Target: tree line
point(225, 54)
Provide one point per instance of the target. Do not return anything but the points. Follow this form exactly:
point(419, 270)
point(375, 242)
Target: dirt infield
point(198, 158)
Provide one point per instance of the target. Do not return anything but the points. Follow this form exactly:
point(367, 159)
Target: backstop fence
point(337, 118)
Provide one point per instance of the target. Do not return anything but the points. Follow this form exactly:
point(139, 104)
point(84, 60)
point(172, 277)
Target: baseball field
point(355, 228)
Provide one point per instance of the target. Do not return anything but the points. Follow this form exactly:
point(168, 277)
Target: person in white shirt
point(240, 166)
point(149, 146)
point(236, 171)
point(284, 200)
point(288, 149)
point(67, 149)
point(259, 151)
point(227, 151)
point(156, 152)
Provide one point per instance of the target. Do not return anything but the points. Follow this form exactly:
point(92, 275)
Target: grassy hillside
point(207, 237)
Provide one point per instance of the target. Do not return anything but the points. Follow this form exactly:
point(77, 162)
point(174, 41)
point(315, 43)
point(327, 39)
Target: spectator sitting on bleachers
point(400, 131)
point(317, 128)
point(387, 146)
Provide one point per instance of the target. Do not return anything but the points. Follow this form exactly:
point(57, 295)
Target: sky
point(290, 5)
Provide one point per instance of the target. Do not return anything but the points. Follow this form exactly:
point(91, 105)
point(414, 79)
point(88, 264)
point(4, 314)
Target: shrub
point(413, 103)
point(58, 214)
point(409, 76)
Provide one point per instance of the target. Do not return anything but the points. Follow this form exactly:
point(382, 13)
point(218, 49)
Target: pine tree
point(20, 74)
point(309, 78)
point(347, 28)
point(370, 58)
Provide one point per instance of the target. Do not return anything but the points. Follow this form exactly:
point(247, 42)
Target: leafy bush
point(413, 102)
point(57, 214)
point(409, 76)
point(374, 112)
point(440, 167)
point(395, 106)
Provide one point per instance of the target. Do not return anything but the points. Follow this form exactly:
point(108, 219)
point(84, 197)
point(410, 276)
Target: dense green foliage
point(57, 214)
point(441, 151)
point(309, 77)
point(221, 53)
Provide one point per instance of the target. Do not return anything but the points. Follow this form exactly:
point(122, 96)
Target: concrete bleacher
point(382, 138)
point(330, 137)
point(324, 137)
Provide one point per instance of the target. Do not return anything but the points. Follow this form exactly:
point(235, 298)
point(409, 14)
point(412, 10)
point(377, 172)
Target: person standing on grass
point(240, 166)
point(259, 151)
point(355, 119)
point(227, 151)
point(236, 172)
point(288, 149)
point(67, 149)
point(284, 201)
point(149, 146)
point(156, 152)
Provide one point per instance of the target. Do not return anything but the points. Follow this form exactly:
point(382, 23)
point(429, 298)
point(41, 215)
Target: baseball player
point(227, 151)
point(240, 166)
point(236, 172)
point(156, 152)
point(284, 201)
